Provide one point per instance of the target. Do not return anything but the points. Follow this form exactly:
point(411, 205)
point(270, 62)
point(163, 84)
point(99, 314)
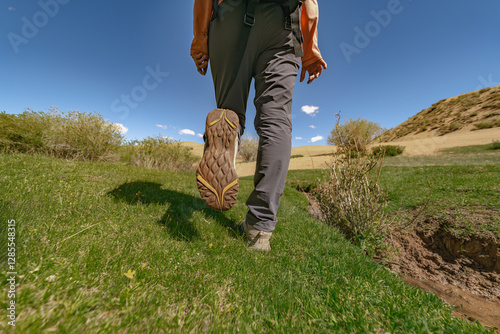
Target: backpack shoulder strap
point(292, 12)
point(249, 21)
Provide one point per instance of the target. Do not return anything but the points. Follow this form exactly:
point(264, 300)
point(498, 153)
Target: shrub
point(487, 125)
point(249, 147)
point(492, 114)
point(352, 199)
point(454, 126)
point(450, 128)
point(23, 133)
point(388, 150)
point(74, 135)
point(496, 144)
point(82, 136)
point(161, 153)
point(355, 134)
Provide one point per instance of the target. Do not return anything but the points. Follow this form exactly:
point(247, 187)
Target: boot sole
point(216, 176)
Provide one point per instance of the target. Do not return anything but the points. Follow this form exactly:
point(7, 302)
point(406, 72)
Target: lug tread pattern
point(219, 189)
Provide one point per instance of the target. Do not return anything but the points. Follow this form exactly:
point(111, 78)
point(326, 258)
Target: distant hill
point(467, 112)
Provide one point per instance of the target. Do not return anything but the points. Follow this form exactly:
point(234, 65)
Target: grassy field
point(108, 248)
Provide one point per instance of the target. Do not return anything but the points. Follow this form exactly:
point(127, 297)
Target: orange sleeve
point(202, 13)
point(309, 25)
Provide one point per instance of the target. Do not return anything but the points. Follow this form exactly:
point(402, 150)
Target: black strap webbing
point(249, 21)
point(215, 6)
point(291, 12)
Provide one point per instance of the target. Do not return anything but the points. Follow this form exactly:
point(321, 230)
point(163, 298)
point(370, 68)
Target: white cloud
point(310, 110)
point(187, 132)
point(200, 135)
point(164, 127)
point(123, 130)
point(312, 126)
point(317, 138)
point(11, 8)
point(167, 137)
point(298, 138)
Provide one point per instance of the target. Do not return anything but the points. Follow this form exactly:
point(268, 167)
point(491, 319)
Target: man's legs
point(270, 59)
point(274, 83)
point(216, 176)
point(224, 43)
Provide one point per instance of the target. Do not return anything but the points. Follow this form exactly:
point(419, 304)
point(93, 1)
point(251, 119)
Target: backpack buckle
point(249, 20)
point(288, 23)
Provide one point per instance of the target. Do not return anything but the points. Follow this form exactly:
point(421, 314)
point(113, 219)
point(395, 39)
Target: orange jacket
point(308, 21)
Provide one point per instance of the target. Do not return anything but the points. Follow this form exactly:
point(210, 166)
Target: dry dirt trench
point(463, 271)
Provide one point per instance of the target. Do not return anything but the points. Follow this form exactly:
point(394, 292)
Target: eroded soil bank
point(455, 255)
point(462, 268)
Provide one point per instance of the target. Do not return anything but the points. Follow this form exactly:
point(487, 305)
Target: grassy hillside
point(110, 248)
point(467, 112)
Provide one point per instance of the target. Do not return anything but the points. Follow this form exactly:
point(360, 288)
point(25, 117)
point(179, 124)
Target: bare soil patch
point(461, 266)
point(439, 255)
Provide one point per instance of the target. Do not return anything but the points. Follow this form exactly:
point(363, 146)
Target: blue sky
point(129, 61)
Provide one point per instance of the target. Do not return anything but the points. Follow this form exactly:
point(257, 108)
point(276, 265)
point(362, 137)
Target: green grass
point(451, 158)
point(470, 149)
point(456, 156)
point(452, 186)
point(81, 226)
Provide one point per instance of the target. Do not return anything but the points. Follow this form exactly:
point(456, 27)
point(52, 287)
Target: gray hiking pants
point(270, 59)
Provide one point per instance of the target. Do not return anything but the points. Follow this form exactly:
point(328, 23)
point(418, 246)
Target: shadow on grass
point(178, 218)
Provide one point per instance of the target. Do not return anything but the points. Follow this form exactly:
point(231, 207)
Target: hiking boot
point(257, 240)
point(216, 175)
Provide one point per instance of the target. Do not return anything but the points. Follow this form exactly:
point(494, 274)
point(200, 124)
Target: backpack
point(291, 11)
point(292, 4)
point(289, 6)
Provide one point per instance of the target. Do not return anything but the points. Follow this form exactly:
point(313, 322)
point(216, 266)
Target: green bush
point(454, 126)
point(23, 133)
point(388, 150)
point(160, 153)
point(354, 134)
point(74, 135)
point(487, 125)
point(249, 147)
point(496, 144)
point(352, 199)
point(82, 136)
